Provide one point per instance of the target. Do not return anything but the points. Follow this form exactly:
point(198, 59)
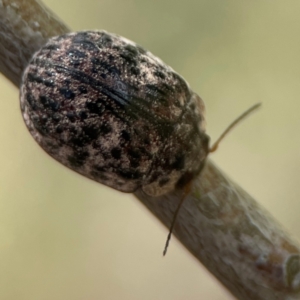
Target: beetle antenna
point(215, 146)
point(187, 189)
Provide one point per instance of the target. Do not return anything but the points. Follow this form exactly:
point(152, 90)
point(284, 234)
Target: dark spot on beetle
point(67, 82)
point(89, 46)
point(116, 153)
point(96, 144)
point(75, 54)
point(74, 63)
point(131, 49)
point(143, 60)
point(130, 54)
point(49, 73)
point(91, 131)
point(56, 117)
point(113, 71)
point(31, 101)
point(134, 153)
point(59, 129)
point(71, 116)
point(82, 155)
point(82, 114)
point(105, 128)
point(110, 58)
point(41, 128)
point(101, 65)
point(74, 129)
point(94, 107)
point(168, 88)
point(49, 103)
point(54, 105)
point(116, 47)
point(129, 174)
point(145, 152)
point(106, 155)
point(134, 164)
point(153, 88)
point(147, 140)
point(96, 69)
point(44, 100)
point(125, 135)
point(34, 78)
point(81, 37)
point(130, 58)
point(159, 74)
point(67, 93)
point(49, 83)
point(59, 70)
point(179, 162)
point(77, 141)
point(95, 61)
point(155, 176)
point(163, 181)
point(82, 89)
point(135, 71)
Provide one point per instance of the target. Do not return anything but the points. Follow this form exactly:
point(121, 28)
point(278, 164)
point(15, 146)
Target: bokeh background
point(65, 237)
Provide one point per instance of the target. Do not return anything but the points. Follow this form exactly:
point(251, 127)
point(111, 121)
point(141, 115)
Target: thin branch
point(25, 26)
point(219, 223)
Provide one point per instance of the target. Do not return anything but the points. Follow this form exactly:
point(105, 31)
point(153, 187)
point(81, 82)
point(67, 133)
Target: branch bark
point(219, 223)
point(25, 27)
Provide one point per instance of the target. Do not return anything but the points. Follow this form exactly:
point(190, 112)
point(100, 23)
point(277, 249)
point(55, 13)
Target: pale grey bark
point(25, 26)
point(219, 223)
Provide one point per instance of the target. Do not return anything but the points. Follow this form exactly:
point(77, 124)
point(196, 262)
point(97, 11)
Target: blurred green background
point(65, 237)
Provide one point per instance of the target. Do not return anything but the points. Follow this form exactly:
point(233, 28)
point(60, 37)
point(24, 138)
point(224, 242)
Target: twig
point(25, 27)
point(219, 223)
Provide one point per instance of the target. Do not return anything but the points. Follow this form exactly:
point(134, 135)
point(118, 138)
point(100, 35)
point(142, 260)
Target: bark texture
point(25, 26)
point(219, 223)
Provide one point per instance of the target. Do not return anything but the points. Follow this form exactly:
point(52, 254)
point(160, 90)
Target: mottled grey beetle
point(111, 111)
